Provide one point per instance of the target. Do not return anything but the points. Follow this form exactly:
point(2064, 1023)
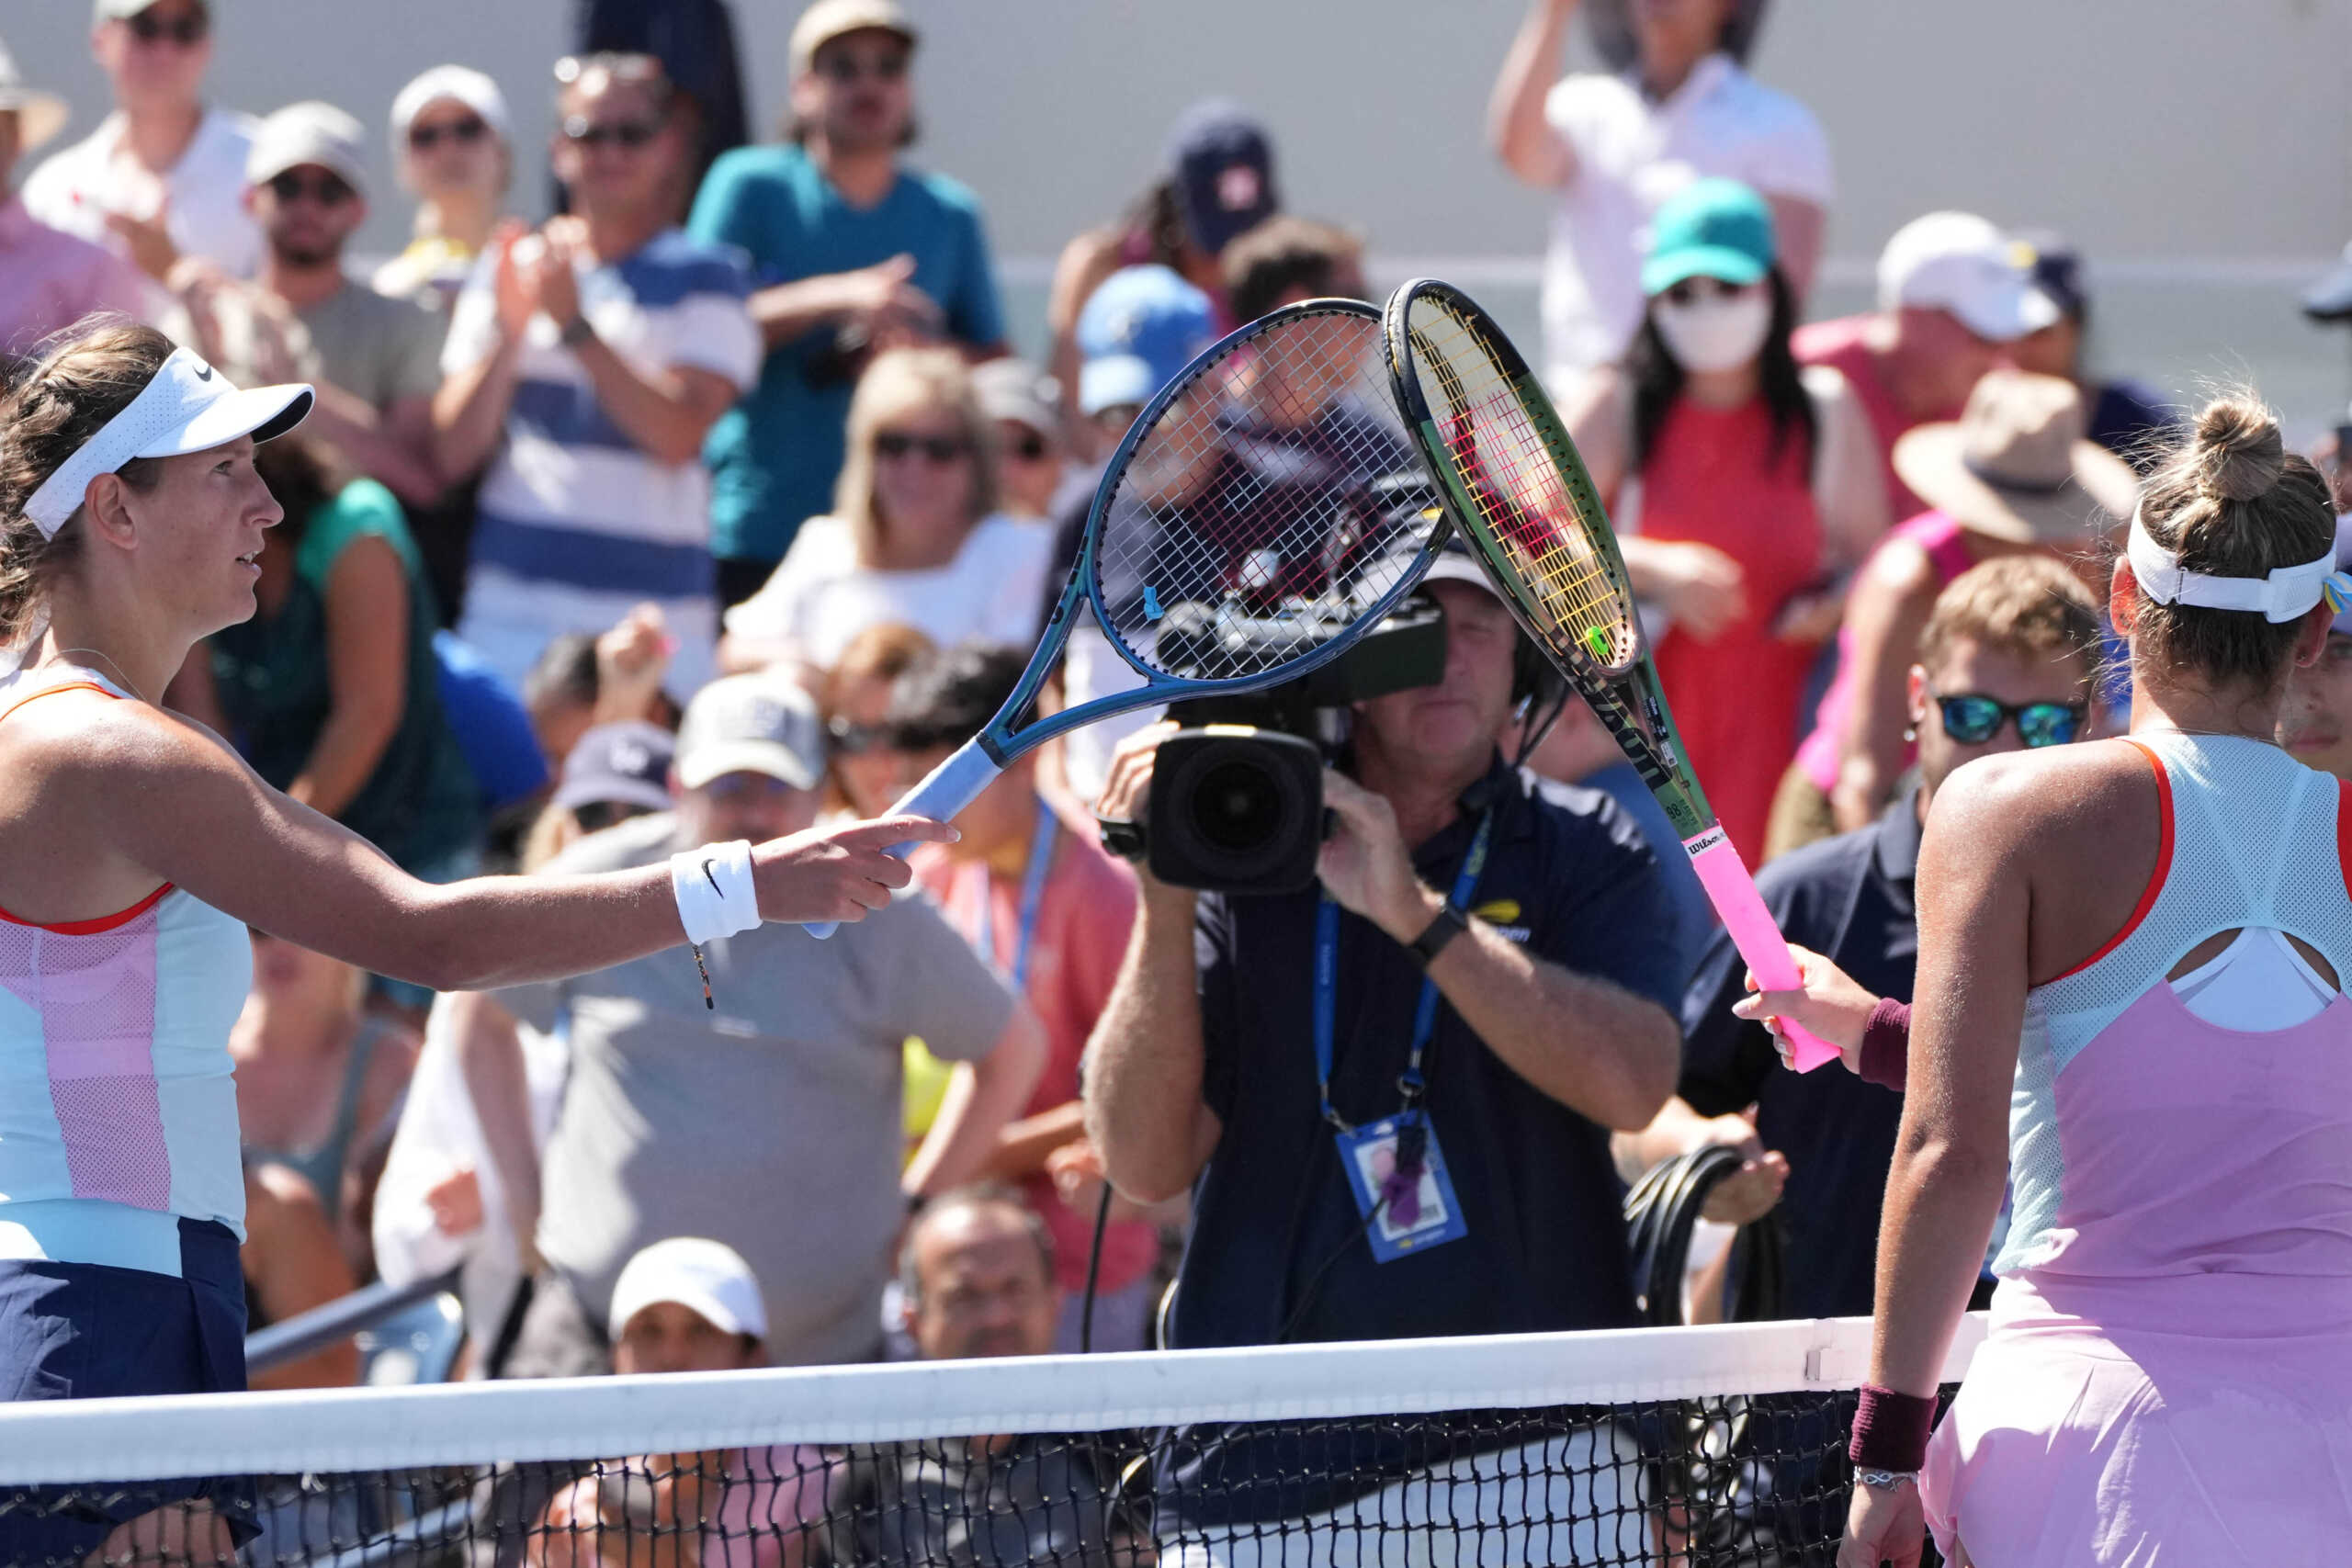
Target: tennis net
point(1662, 1447)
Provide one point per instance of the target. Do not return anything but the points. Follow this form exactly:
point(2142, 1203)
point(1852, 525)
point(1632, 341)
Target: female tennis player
point(135, 850)
point(2133, 955)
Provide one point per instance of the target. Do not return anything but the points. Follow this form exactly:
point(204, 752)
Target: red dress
point(1713, 479)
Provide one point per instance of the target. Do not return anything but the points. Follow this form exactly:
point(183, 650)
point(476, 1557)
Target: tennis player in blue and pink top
point(2132, 957)
point(135, 850)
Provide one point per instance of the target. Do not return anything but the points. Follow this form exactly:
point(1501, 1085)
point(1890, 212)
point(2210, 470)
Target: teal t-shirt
point(421, 805)
point(774, 456)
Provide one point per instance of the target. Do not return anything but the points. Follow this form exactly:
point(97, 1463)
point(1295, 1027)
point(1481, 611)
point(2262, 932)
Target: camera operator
point(1298, 1112)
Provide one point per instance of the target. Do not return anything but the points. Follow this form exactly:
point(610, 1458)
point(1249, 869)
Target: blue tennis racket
point(1264, 512)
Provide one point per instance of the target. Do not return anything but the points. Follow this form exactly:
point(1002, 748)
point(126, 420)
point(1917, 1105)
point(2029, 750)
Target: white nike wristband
point(714, 892)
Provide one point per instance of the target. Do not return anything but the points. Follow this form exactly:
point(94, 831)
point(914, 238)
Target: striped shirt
point(576, 523)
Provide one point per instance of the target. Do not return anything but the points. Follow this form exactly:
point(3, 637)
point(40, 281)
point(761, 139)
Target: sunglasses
point(744, 784)
point(595, 815)
point(327, 190)
point(187, 29)
point(847, 68)
point(631, 134)
point(938, 448)
point(1691, 291)
point(1972, 718)
point(464, 132)
point(852, 740)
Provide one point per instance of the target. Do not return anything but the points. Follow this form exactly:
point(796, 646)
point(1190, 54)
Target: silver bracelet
point(1886, 1480)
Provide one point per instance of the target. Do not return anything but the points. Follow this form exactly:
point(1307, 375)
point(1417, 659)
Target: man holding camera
point(1391, 1095)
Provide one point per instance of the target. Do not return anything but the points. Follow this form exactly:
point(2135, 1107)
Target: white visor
point(188, 407)
point(2288, 591)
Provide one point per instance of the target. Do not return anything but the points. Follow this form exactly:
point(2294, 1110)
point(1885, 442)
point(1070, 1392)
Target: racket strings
point(1505, 464)
point(1276, 496)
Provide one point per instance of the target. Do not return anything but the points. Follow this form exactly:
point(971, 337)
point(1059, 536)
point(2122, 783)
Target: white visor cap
point(188, 407)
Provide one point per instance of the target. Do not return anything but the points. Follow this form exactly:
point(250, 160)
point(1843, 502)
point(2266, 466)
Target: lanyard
point(1327, 976)
point(1033, 896)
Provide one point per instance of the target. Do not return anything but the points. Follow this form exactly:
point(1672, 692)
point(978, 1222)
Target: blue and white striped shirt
point(575, 523)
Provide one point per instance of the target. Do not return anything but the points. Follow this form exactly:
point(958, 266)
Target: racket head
point(1513, 479)
point(1265, 509)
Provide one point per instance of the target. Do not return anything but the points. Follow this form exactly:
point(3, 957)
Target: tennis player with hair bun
point(135, 850)
point(2130, 1004)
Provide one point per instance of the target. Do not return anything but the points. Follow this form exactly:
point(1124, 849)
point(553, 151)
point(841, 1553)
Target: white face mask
point(1716, 333)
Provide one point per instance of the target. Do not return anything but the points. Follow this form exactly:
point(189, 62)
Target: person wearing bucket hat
point(49, 278)
point(1755, 486)
point(2013, 474)
point(164, 174)
point(131, 520)
point(1614, 146)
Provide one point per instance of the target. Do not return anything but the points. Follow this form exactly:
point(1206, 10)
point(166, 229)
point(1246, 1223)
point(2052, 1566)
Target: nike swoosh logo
point(204, 373)
point(706, 863)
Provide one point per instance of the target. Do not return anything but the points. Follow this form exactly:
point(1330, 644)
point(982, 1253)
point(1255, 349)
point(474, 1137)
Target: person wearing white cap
point(162, 176)
point(1954, 294)
point(690, 1305)
point(49, 278)
point(131, 516)
point(771, 1123)
point(856, 251)
point(377, 359)
point(454, 154)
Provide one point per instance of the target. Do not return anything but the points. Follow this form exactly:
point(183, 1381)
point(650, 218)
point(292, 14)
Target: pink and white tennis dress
point(2169, 1374)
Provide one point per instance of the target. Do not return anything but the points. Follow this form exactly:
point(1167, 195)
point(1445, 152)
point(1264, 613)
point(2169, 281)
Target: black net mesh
point(1718, 1480)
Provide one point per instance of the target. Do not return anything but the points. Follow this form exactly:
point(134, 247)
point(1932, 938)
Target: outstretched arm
point(1521, 137)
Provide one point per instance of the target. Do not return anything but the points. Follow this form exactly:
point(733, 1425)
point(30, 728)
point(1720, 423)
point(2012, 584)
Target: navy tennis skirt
point(91, 1331)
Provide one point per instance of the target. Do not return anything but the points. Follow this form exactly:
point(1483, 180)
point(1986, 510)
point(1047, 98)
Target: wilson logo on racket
point(1704, 841)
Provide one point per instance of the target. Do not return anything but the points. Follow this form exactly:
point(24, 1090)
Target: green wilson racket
point(1529, 510)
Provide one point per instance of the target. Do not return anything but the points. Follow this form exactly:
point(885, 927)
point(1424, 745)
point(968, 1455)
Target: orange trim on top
point(103, 923)
point(2156, 877)
point(52, 691)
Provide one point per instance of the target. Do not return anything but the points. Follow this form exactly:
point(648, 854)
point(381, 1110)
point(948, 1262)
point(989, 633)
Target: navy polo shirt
point(1277, 1239)
point(1851, 898)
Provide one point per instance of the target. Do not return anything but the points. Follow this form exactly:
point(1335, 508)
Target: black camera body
point(1237, 794)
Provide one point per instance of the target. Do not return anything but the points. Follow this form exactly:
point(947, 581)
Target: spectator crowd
point(717, 504)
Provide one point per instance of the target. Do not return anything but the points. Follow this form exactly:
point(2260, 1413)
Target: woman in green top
point(332, 691)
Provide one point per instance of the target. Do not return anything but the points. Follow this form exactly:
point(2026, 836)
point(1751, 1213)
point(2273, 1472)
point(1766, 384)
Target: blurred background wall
point(2200, 151)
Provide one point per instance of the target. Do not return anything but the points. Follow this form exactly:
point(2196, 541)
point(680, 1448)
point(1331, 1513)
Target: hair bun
point(2240, 453)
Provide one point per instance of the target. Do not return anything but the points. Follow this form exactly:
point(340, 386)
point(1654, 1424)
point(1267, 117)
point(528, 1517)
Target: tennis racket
point(1264, 511)
point(1532, 515)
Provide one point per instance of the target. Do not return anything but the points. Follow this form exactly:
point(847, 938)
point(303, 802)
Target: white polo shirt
point(1632, 153)
point(76, 188)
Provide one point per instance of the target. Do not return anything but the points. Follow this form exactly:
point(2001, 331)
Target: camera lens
point(1238, 806)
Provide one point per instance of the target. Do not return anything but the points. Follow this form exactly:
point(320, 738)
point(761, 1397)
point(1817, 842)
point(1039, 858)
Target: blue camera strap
point(1033, 898)
point(1326, 977)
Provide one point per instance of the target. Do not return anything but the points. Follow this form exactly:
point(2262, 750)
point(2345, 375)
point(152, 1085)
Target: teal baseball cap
point(1711, 228)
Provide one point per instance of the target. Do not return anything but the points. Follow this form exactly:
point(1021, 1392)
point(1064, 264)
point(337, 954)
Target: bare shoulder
point(98, 743)
point(2022, 796)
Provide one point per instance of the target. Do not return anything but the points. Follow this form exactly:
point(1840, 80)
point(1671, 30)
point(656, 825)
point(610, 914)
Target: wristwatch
point(1450, 924)
point(577, 331)
point(1886, 1480)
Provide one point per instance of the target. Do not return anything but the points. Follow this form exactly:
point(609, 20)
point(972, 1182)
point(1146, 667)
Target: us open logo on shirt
point(1503, 915)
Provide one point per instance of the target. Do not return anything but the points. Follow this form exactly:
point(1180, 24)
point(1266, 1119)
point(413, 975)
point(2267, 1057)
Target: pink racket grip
point(1733, 893)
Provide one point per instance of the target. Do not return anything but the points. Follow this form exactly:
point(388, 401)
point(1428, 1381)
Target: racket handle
point(1733, 893)
point(944, 791)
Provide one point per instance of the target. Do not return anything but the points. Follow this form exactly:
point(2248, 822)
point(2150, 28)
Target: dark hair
point(1657, 379)
point(302, 478)
point(977, 1195)
point(945, 701)
point(566, 669)
point(1159, 217)
point(55, 401)
point(1285, 252)
point(2232, 501)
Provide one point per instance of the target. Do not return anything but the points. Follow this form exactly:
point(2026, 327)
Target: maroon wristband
point(1891, 1430)
point(1886, 1044)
